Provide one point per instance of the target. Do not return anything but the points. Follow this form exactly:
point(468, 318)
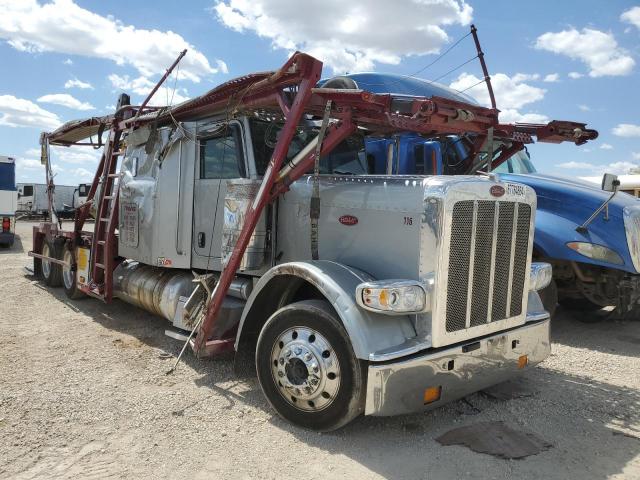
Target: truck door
point(220, 158)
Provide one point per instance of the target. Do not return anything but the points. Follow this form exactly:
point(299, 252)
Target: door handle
point(201, 240)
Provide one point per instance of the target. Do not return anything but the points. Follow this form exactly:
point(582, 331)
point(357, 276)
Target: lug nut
point(298, 350)
point(307, 356)
point(288, 353)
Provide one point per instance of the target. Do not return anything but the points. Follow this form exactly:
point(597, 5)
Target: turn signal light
point(523, 361)
point(432, 394)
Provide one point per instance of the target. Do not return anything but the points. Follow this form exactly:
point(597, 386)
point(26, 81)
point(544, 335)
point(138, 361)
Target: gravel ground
point(83, 393)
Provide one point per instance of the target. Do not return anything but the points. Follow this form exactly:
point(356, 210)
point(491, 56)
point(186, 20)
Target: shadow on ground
point(15, 248)
point(597, 438)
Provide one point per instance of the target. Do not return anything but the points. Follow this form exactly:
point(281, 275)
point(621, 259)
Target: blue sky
point(549, 60)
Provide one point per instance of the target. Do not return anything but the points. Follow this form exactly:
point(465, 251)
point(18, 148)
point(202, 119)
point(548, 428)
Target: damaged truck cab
point(420, 278)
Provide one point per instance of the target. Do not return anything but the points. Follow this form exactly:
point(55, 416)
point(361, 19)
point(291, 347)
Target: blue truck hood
point(564, 204)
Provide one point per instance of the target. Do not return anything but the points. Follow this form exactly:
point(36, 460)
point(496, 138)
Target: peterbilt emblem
point(497, 190)
point(348, 220)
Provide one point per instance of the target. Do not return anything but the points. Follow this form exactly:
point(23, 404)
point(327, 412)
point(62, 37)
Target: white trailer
point(32, 199)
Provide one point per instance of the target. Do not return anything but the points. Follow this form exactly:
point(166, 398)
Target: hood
point(570, 198)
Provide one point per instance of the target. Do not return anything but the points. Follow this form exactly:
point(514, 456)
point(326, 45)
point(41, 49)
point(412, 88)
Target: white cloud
point(76, 155)
point(584, 108)
point(18, 112)
point(28, 163)
point(626, 130)
point(635, 155)
point(575, 75)
point(631, 16)
point(75, 83)
point(552, 78)
point(606, 146)
point(511, 95)
point(64, 27)
point(165, 95)
point(82, 174)
point(348, 36)
point(617, 168)
point(523, 77)
point(576, 165)
point(65, 100)
point(68, 61)
point(598, 50)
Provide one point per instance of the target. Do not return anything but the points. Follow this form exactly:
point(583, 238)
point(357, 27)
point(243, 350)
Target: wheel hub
point(305, 369)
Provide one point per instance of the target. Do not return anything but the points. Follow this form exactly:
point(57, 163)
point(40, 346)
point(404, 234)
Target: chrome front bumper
point(398, 386)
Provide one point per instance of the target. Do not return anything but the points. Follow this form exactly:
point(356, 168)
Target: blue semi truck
point(590, 235)
point(8, 200)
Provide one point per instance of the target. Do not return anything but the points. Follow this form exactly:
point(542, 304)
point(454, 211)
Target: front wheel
point(307, 368)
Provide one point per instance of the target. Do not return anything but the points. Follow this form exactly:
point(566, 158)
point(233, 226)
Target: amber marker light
point(432, 394)
point(523, 361)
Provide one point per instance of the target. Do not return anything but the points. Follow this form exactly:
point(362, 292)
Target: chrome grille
point(489, 246)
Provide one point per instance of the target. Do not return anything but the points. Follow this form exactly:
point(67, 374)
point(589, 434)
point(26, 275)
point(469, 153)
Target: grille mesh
point(459, 265)
point(506, 233)
point(520, 258)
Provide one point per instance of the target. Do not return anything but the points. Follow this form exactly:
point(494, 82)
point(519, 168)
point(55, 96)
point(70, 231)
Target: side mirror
point(610, 182)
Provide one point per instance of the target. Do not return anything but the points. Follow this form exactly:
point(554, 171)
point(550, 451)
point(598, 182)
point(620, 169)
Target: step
point(104, 219)
point(100, 265)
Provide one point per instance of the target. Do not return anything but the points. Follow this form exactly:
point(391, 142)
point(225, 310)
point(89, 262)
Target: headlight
point(631, 217)
point(392, 296)
point(540, 276)
point(596, 252)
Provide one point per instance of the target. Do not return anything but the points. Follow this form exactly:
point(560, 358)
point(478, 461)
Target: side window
point(28, 190)
point(221, 155)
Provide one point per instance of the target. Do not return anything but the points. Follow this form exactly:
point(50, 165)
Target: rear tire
point(70, 275)
point(51, 272)
point(307, 368)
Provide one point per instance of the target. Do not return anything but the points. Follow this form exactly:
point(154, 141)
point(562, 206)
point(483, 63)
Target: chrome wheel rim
point(68, 276)
point(46, 264)
point(305, 369)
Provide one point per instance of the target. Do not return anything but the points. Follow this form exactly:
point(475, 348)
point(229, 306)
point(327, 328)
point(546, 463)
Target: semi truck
point(589, 233)
point(8, 200)
point(247, 218)
point(33, 199)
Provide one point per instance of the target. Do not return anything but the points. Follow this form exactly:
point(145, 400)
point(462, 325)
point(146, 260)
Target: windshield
point(348, 158)
point(518, 163)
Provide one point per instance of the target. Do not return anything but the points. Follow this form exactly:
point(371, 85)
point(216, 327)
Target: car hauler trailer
point(357, 294)
point(8, 200)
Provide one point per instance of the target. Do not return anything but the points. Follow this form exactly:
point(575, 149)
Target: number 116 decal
point(408, 220)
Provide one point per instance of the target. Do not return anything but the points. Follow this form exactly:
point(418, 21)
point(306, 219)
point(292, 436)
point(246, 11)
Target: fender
point(553, 232)
point(369, 332)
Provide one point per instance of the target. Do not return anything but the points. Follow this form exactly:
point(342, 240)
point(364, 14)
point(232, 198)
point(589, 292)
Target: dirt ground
point(83, 394)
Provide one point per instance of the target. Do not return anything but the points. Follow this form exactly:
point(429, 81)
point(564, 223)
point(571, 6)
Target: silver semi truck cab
point(426, 283)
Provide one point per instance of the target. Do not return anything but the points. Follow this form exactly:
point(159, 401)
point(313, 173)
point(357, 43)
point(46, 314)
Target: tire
point(70, 276)
point(313, 339)
point(549, 297)
point(51, 272)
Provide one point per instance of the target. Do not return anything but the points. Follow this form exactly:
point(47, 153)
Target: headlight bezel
point(402, 289)
point(595, 251)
